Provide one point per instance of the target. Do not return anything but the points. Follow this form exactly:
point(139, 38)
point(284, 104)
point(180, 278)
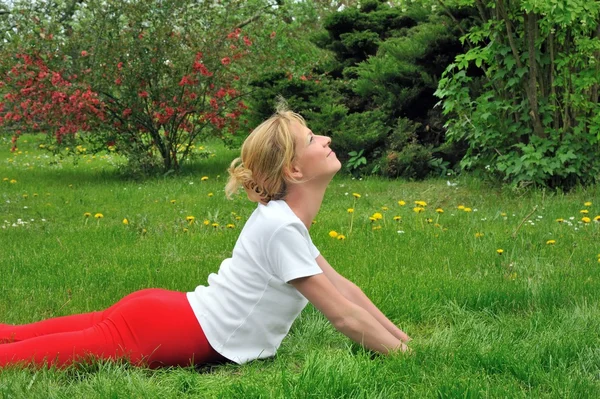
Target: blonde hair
point(267, 153)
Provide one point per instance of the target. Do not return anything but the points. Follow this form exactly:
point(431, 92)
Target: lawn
point(500, 289)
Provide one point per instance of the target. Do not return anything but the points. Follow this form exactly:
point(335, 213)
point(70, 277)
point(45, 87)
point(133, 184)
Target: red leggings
point(152, 327)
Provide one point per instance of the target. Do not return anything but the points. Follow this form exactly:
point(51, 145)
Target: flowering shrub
point(161, 77)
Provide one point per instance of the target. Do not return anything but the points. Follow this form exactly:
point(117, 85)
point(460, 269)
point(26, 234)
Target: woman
point(250, 304)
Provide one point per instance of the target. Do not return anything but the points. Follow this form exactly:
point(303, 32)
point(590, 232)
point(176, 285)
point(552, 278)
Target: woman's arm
point(354, 294)
point(347, 317)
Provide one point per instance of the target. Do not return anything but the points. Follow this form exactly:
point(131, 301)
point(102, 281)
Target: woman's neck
point(305, 202)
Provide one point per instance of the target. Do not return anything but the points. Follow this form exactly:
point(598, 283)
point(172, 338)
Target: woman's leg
point(157, 330)
point(77, 322)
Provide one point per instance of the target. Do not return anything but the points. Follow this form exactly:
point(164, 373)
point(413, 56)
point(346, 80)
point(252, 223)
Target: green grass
point(524, 323)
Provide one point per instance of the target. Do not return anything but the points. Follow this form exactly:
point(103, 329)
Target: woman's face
point(314, 158)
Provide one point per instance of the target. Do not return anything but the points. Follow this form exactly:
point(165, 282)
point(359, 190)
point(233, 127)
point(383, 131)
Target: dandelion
point(588, 203)
point(25, 196)
point(550, 242)
point(467, 210)
point(314, 222)
point(6, 179)
point(356, 195)
point(439, 210)
point(499, 251)
point(377, 216)
point(13, 181)
point(87, 214)
point(560, 220)
point(378, 227)
point(350, 210)
point(372, 219)
point(98, 216)
point(173, 201)
point(429, 220)
point(144, 231)
point(230, 226)
point(35, 195)
point(238, 218)
point(461, 207)
point(190, 219)
point(584, 211)
point(210, 194)
point(384, 208)
point(185, 230)
point(401, 203)
point(206, 222)
point(597, 218)
point(422, 204)
point(418, 209)
point(397, 218)
point(204, 178)
point(479, 235)
point(341, 237)
point(503, 214)
point(333, 234)
point(215, 225)
point(125, 221)
point(586, 219)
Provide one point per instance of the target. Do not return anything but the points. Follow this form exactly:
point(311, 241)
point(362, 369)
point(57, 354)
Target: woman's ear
point(293, 173)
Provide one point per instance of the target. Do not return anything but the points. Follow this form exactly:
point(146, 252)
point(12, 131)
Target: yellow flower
point(356, 195)
point(584, 211)
point(503, 214)
point(98, 216)
point(341, 237)
point(461, 207)
point(238, 218)
point(87, 214)
point(397, 218)
point(422, 204)
point(479, 235)
point(314, 222)
point(204, 178)
point(587, 204)
point(125, 221)
point(333, 234)
point(185, 230)
point(418, 209)
point(439, 210)
point(429, 220)
point(25, 196)
point(384, 208)
point(35, 194)
point(6, 179)
point(13, 181)
point(350, 210)
point(377, 216)
point(500, 251)
point(215, 225)
point(210, 194)
point(206, 222)
point(597, 218)
point(173, 201)
point(378, 227)
point(190, 219)
point(230, 226)
point(586, 219)
point(550, 242)
point(467, 210)
point(144, 231)
point(401, 203)
point(560, 220)
point(372, 219)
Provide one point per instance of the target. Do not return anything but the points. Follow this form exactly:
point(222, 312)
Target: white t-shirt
point(248, 307)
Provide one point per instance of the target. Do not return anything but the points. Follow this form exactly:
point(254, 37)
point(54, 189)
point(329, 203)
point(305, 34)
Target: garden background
point(118, 120)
